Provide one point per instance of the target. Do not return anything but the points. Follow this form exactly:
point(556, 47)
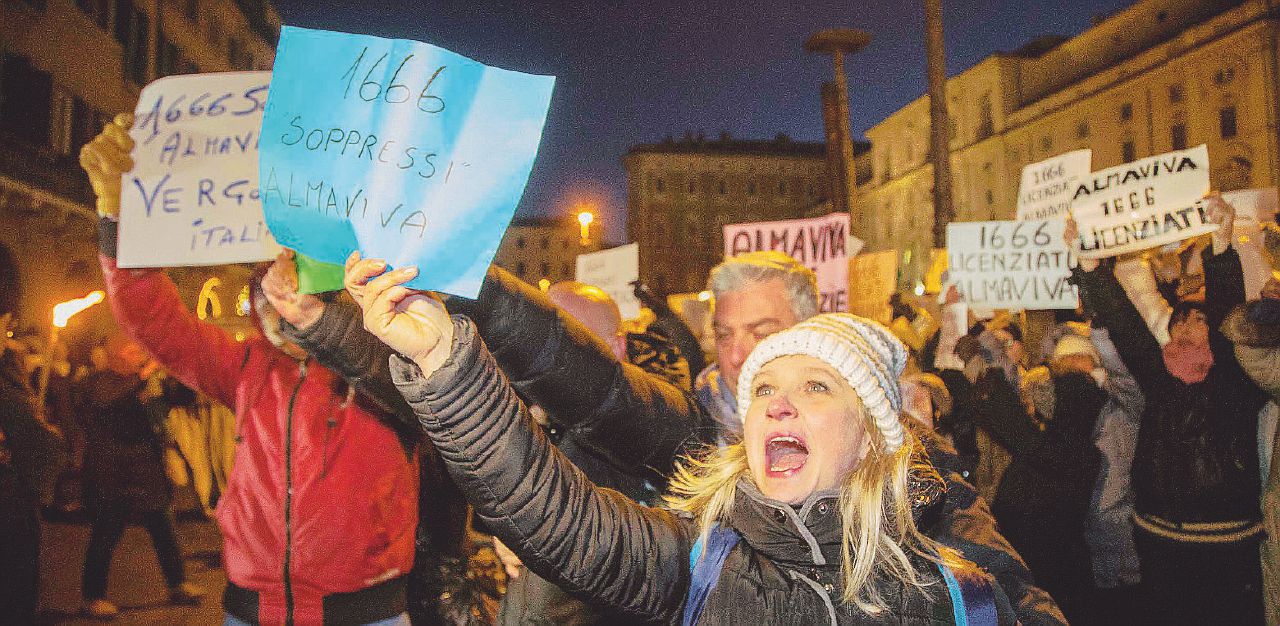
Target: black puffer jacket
point(1195, 471)
point(639, 423)
point(614, 551)
point(605, 413)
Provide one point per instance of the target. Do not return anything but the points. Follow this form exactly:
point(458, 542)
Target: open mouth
point(785, 454)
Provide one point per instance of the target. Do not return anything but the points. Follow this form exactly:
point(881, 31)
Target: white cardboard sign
point(1047, 186)
point(1254, 208)
point(613, 271)
point(1144, 204)
point(823, 244)
point(1011, 264)
point(192, 197)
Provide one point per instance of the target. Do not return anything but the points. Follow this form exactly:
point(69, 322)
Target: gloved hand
point(105, 159)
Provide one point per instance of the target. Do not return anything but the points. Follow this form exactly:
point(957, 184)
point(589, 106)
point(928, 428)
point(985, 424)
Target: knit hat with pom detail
point(865, 354)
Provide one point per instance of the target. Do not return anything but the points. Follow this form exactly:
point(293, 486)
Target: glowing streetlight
point(585, 218)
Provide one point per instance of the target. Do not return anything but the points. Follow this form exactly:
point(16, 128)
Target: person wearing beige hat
point(811, 518)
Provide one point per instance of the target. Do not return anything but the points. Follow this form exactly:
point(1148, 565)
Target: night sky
point(637, 71)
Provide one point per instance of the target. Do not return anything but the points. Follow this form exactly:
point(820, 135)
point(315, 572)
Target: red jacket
point(319, 488)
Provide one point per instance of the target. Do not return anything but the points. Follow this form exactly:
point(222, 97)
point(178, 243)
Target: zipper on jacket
point(288, 495)
point(332, 422)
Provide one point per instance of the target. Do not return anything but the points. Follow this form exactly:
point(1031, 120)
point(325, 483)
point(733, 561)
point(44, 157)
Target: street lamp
point(585, 218)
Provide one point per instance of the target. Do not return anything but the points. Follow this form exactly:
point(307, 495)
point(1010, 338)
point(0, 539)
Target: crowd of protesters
point(824, 468)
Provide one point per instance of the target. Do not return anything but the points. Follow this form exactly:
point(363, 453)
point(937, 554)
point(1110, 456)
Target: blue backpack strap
point(973, 601)
point(705, 562)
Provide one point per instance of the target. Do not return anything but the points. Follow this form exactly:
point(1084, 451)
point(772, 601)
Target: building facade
point(544, 249)
point(680, 194)
point(1157, 76)
point(66, 68)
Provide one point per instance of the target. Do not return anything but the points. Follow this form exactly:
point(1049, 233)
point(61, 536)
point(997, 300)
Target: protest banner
point(823, 244)
point(1144, 204)
point(192, 197)
point(403, 150)
point(873, 278)
point(1011, 264)
point(1047, 186)
point(613, 271)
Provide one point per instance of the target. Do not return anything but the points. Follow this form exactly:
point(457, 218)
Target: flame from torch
point(63, 311)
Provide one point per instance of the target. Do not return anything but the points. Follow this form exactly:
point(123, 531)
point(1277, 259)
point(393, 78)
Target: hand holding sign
point(410, 322)
point(1071, 234)
point(1223, 214)
point(399, 149)
point(280, 286)
point(105, 159)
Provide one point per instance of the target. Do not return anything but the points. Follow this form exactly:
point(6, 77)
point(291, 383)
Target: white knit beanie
point(865, 353)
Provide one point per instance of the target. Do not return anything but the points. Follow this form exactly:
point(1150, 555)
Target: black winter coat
point(1042, 504)
point(1196, 463)
point(124, 444)
point(624, 555)
point(637, 422)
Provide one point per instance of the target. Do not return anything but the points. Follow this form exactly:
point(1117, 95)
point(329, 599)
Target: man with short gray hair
point(755, 295)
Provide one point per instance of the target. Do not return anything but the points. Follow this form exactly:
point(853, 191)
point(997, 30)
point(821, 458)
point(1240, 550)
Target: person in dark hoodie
point(1195, 471)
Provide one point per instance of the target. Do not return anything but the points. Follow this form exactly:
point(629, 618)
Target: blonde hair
point(879, 531)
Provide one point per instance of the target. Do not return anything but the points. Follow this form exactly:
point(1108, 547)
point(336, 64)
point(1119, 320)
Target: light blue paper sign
point(400, 149)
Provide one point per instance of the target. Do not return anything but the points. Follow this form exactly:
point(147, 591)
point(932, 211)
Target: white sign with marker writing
point(1011, 265)
point(1047, 186)
point(613, 271)
point(192, 197)
point(1144, 204)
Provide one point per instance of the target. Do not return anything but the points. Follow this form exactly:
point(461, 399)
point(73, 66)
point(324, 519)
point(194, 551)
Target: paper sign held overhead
point(613, 271)
point(1011, 264)
point(1047, 186)
point(1254, 209)
point(403, 150)
point(823, 244)
point(1144, 204)
point(192, 196)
